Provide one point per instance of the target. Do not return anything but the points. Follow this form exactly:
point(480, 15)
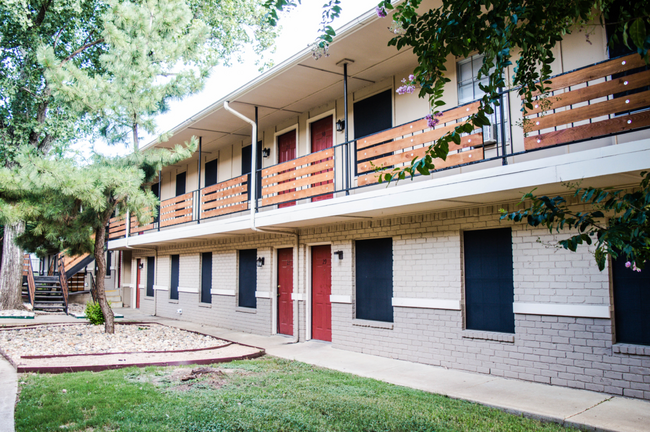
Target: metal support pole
point(198, 218)
point(257, 150)
point(159, 196)
point(504, 160)
point(346, 157)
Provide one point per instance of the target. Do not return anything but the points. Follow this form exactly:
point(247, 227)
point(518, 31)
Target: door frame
point(321, 116)
point(308, 308)
point(276, 155)
point(138, 278)
point(274, 286)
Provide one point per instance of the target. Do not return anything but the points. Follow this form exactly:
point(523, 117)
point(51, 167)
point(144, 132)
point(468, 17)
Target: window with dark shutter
point(373, 114)
point(489, 284)
point(151, 272)
point(374, 279)
point(631, 304)
point(210, 173)
point(206, 277)
point(173, 289)
point(180, 183)
point(247, 278)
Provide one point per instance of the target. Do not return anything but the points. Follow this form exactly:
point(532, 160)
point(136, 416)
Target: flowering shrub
point(381, 11)
point(433, 119)
point(633, 265)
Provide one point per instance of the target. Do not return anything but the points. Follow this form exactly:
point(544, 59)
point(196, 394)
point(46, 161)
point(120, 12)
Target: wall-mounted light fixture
point(339, 255)
point(340, 125)
point(141, 266)
point(266, 152)
point(260, 261)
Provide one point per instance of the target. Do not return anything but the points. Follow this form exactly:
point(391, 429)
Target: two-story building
point(290, 232)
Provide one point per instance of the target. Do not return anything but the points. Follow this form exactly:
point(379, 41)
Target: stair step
point(47, 302)
point(43, 307)
point(38, 279)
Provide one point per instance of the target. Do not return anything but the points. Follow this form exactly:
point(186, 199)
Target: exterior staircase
point(48, 294)
point(115, 297)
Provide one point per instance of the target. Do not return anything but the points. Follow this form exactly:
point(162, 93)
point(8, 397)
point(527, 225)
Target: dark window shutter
point(206, 277)
point(374, 279)
point(173, 289)
point(210, 173)
point(151, 271)
point(631, 304)
point(489, 285)
point(247, 278)
point(180, 183)
point(373, 114)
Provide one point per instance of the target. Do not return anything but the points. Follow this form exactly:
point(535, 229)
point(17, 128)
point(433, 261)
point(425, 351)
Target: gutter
point(253, 208)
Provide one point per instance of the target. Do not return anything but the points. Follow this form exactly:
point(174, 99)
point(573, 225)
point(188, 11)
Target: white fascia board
point(262, 294)
point(566, 310)
point(160, 288)
point(423, 303)
point(223, 292)
point(586, 164)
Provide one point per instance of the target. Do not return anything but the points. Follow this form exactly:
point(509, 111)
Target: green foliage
point(67, 202)
point(94, 313)
point(618, 224)
point(267, 394)
point(498, 29)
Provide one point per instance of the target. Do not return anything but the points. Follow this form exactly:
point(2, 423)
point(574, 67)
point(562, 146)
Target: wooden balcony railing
point(117, 227)
point(304, 177)
point(597, 101)
point(398, 146)
point(137, 227)
point(226, 197)
point(603, 106)
point(177, 210)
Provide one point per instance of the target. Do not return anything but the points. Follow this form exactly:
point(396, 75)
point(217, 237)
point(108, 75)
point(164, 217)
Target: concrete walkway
point(7, 395)
point(580, 408)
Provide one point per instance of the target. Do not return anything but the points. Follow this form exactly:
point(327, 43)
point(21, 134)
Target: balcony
point(588, 105)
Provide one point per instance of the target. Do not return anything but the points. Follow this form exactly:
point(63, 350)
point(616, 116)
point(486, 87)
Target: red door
point(285, 289)
point(286, 152)
point(322, 138)
point(321, 286)
point(137, 284)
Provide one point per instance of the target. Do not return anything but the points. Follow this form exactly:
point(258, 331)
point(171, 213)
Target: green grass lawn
point(266, 394)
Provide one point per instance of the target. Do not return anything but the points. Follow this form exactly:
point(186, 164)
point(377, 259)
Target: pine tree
point(78, 40)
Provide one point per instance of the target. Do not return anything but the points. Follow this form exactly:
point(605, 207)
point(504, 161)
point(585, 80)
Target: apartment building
point(311, 246)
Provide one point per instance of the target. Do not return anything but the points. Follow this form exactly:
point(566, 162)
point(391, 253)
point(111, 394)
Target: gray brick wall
point(428, 265)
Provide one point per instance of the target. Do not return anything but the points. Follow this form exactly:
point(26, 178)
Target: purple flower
point(431, 121)
point(381, 12)
point(411, 77)
point(405, 89)
point(628, 264)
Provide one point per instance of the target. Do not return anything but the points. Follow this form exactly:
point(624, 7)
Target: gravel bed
point(91, 339)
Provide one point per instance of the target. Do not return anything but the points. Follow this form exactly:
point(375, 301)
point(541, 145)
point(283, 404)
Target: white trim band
point(424, 303)
point(127, 285)
point(223, 292)
point(297, 296)
point(262, 294)
point(567, 310)
point(188, 290)
point(160, 288)
point(341, 299)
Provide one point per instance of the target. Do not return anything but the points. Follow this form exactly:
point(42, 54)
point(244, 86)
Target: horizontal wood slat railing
point(177, 210)
point(223, 198)
point(398, 146)
point(117, 227)
point(300, 178)
point(29, 272)
point(602, 106)
point(136, 227)
point(73, 261)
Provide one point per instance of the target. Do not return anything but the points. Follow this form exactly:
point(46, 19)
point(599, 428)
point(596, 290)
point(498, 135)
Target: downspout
point(253, 208)
point(346, 183)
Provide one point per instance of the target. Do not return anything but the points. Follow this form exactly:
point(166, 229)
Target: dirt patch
point(185, 379)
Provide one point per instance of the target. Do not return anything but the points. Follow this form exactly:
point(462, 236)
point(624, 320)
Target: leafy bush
point(94, 313)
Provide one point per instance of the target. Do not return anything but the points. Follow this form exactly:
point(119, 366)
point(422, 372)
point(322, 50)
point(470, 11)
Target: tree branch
point(86, 46)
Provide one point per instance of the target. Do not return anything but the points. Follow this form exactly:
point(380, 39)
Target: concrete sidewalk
point(7, 395)
point(579, 408)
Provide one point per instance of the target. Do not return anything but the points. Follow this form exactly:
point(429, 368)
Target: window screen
point(151, 272)
point(247, 278)
point(173, 289)
point(374, 279)
point(206, 277)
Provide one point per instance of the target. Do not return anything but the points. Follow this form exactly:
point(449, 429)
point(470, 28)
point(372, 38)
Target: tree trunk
point(11, 270)
point(100, 261)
